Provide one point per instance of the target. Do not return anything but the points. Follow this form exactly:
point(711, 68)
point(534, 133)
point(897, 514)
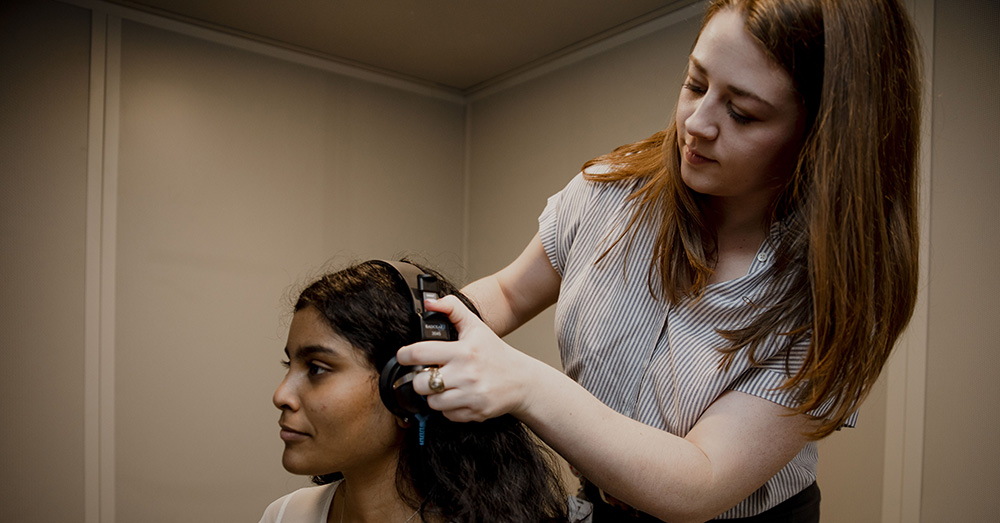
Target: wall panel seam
point(92, 293)
point(109, 204)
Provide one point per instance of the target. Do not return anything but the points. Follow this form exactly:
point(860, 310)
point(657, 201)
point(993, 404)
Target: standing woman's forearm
point(493, 306)
point(740, 442)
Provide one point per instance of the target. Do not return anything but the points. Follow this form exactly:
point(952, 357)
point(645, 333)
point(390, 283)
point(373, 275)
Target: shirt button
point(761, 257)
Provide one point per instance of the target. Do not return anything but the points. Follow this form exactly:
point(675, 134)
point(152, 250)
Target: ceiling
point(459, 45)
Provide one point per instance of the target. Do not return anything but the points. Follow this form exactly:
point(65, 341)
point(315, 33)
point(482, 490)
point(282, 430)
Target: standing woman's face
point(740, 124)
point(332, 419)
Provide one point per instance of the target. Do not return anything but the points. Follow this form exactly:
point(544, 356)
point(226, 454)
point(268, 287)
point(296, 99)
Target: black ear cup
point(395, 387)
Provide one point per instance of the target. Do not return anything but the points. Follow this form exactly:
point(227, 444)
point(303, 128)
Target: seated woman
point(370, 464)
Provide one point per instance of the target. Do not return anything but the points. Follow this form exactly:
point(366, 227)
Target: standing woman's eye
point(286, 364)
point(693, 87)
point(737, 117)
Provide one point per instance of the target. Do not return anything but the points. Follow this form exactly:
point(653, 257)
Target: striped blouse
point(641, 356)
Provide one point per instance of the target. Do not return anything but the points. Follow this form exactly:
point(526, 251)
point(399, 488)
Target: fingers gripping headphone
point(396, 381)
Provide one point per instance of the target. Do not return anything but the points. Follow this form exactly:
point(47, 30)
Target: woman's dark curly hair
point(488, 471)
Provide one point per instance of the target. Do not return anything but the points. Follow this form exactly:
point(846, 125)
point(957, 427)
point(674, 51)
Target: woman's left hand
point(483, 376)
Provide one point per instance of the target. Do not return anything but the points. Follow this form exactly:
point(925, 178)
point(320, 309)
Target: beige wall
point(147, 265)
point(43, 208)
point(961, 458)
point(228, 177)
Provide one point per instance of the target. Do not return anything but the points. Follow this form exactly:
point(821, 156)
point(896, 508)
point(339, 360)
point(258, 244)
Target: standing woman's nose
point(702, 122)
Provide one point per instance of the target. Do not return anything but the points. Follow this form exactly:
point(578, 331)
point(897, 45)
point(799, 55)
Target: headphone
point(395, 385)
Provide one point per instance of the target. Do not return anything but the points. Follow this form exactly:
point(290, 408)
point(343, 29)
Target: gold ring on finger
point(435, 381)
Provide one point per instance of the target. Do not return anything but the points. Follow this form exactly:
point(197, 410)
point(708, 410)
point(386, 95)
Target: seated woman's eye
point(315, 369)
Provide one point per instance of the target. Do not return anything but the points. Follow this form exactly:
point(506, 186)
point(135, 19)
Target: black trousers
point(800, 508)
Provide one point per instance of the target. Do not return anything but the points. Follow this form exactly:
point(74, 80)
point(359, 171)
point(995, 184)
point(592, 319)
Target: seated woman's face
point(332, 419)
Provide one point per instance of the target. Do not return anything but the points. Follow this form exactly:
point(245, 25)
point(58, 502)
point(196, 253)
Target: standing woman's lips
point(290, 434)
point(692, 157)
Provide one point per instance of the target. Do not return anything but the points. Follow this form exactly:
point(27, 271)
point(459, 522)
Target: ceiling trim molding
point(263, 46)
point(595, 45)
point(586, 49)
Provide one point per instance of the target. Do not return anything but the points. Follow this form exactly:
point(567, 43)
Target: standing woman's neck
point(739, 230)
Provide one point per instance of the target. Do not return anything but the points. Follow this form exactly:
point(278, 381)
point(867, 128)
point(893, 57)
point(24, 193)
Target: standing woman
point(728, 289)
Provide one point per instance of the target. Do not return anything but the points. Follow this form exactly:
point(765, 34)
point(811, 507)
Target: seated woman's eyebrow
point(313, 350)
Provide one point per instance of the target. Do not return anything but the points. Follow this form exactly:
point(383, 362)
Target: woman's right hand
point(483, 376)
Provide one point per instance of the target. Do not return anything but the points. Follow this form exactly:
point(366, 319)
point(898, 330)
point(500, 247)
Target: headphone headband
point(419, 286)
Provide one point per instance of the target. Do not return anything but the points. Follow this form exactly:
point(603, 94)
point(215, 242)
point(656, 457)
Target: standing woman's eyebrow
point(738, 91)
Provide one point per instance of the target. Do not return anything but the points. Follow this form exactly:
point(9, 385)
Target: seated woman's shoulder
point(304, 504)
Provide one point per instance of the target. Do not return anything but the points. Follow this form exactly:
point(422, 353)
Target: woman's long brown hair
point(847, 215)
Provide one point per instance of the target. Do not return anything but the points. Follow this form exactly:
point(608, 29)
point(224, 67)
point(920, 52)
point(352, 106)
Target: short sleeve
point(580, 511)
point(765, 380)
point(558, 223)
